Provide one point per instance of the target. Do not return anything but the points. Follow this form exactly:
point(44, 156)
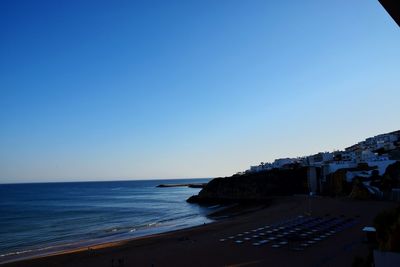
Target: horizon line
point(100, 181)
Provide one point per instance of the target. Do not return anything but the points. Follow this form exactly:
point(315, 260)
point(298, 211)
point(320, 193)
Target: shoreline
point(199, 245)
point(87, 245)
point(221, 213)
point(95, 246)
point(88, 220)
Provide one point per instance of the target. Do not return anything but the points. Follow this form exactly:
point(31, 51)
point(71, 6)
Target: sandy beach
point(201, 246)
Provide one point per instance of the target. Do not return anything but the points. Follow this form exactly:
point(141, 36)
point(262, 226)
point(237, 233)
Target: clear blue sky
point(95, 90)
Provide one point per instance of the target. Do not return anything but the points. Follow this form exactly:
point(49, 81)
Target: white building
point(279, 163)
point(367, 155)
point(319, 159)
point(381, 141)
point(345, 156)
point(261, 167)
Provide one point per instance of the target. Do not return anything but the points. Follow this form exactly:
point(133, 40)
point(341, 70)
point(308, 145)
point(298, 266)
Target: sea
point(43, 218)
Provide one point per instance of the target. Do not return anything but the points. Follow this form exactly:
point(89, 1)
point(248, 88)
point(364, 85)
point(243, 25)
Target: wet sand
point(200, 246)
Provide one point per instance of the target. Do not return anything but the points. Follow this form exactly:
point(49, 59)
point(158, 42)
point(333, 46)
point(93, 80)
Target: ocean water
point(47, 217)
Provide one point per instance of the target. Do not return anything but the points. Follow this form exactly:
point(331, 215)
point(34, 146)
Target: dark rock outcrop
point(198, 185)
point(359, 191)
point(253, 187)
point(336, 184)
point(389, 180)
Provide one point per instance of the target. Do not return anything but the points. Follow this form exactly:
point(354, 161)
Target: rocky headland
point(253, 187)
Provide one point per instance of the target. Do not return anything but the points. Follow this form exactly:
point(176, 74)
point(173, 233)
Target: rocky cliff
point(254, 187)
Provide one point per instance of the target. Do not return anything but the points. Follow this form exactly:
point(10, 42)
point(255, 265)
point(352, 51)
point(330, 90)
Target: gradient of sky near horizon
point(103, 90)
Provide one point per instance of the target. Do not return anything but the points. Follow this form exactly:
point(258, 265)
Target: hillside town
point(380, 151)
point(364, 159)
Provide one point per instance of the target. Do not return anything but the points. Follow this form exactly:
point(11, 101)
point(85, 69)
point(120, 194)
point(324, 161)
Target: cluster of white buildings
point(278, 163)
point(371, 152)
